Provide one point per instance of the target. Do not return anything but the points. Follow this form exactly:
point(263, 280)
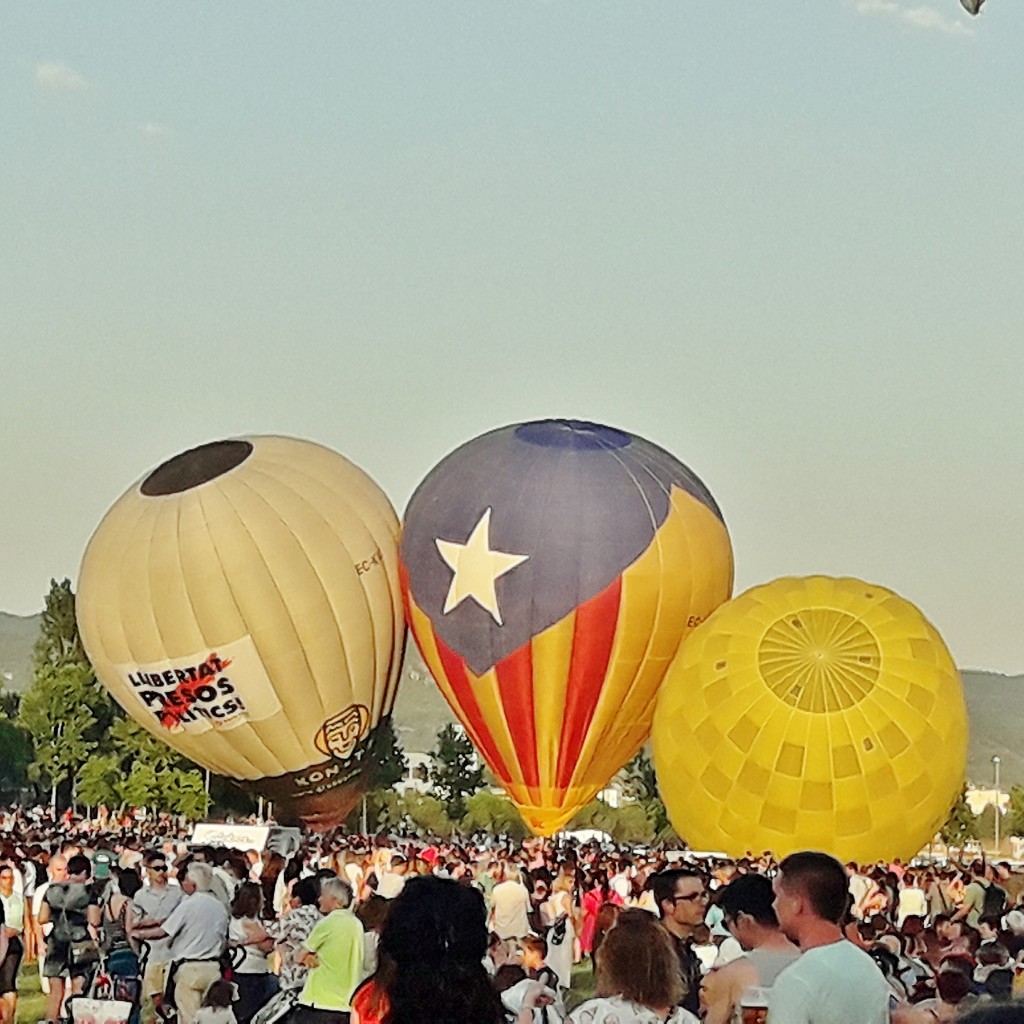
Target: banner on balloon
point(218, 688)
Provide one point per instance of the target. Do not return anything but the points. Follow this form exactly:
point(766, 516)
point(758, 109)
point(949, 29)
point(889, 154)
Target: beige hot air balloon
point(242, 603)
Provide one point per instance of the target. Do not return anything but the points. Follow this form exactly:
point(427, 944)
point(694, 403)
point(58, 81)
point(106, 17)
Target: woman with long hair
point(596, 893)
point(256, 984)
point(558, 916)
point(431, 970)
point(638, 979)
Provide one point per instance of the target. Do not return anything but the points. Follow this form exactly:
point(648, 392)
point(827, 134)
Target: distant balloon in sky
point(551, 570)
point(812, 713)
point(971, 6)
point(242, 603)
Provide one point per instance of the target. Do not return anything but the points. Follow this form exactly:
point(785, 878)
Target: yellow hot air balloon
point(242, 603)
point(812, 713)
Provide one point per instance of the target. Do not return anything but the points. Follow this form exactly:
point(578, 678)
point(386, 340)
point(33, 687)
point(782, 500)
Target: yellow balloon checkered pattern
point(812, 713)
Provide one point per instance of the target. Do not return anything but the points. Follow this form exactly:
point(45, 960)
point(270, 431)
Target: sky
point(782, 240)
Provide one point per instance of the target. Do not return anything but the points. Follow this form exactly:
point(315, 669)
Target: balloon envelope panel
point(242, 603)
point(812, 713)
point(550, 571)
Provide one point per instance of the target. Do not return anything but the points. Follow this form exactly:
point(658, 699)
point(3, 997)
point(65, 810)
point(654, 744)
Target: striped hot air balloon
point(550, 571)
point(241, 602)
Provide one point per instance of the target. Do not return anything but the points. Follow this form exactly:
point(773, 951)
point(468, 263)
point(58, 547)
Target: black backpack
point(995, 901)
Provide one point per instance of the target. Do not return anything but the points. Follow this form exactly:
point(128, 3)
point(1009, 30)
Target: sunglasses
point(691, 898)
point(157, 867)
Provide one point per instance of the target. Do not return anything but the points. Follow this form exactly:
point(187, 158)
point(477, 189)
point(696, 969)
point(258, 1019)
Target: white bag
point(85, 1010)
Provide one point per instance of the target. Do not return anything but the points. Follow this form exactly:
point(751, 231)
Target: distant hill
point(995, 704)
point(17, 638)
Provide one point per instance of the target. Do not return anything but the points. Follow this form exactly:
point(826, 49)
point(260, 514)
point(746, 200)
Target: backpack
point(995, 900)
point(62, 897)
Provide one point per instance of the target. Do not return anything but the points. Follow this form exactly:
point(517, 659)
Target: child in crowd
point(216, 1008)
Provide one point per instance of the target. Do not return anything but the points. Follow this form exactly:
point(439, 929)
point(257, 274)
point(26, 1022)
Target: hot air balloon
point(550, 571)
point(812, 713)
point(242, 603)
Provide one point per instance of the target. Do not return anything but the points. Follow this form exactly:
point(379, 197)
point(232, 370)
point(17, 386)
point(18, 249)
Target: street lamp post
point(995, 770)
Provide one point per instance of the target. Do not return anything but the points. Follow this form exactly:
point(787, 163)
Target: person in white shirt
point(12, 925)
point(155, 901)
point(913, 901)
point(510, 906)
point(391, 882)
point(832, 981)
point(197, 928)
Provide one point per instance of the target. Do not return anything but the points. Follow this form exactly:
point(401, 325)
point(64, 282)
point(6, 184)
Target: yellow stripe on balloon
point(552, 651)
point(672, 586)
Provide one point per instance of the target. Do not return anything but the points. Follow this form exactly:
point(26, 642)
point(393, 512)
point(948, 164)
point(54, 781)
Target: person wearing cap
point(103, 859)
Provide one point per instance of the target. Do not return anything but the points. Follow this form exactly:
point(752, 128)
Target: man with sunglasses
point(155, 900)
point(682, 900)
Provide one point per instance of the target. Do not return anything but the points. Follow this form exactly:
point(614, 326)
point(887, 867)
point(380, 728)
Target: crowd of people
point(377, 929)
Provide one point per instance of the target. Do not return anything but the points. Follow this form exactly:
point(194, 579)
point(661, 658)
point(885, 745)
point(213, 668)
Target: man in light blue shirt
point(832, 981)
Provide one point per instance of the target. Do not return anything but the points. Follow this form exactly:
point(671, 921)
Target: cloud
point(59, 77)
point(153, 129)
point(922, 16)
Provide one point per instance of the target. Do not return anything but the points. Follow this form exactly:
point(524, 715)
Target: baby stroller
point(114, 992)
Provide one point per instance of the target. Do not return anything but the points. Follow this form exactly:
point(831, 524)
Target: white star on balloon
point(476, 568)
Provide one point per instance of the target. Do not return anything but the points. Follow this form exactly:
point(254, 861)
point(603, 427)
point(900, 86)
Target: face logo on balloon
point(339, 735)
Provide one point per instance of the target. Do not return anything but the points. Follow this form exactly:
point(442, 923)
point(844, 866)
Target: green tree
point(141, 771)
point(1013, 820)
point(626, 824)
point(10, 701)
point(386, 759)
point(385, 765)
point(65, 710)
point(15, 756)
point(961, 825)
point(640, 784)
point(494, 813)
point(426, 813)
point(78, 732)
point(456, 772)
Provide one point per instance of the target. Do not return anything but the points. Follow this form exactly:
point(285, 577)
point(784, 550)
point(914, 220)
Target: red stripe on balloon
point(465, 703)
point(515, 687)
point(468, 709)
point(592, 640)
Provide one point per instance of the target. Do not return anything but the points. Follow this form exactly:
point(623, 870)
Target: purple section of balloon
point(582, 500)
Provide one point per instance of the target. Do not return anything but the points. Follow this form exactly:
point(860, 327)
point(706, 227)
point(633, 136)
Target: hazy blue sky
point(783, 240)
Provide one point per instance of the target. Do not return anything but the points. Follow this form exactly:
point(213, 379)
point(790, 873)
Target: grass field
point(32, 1002)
